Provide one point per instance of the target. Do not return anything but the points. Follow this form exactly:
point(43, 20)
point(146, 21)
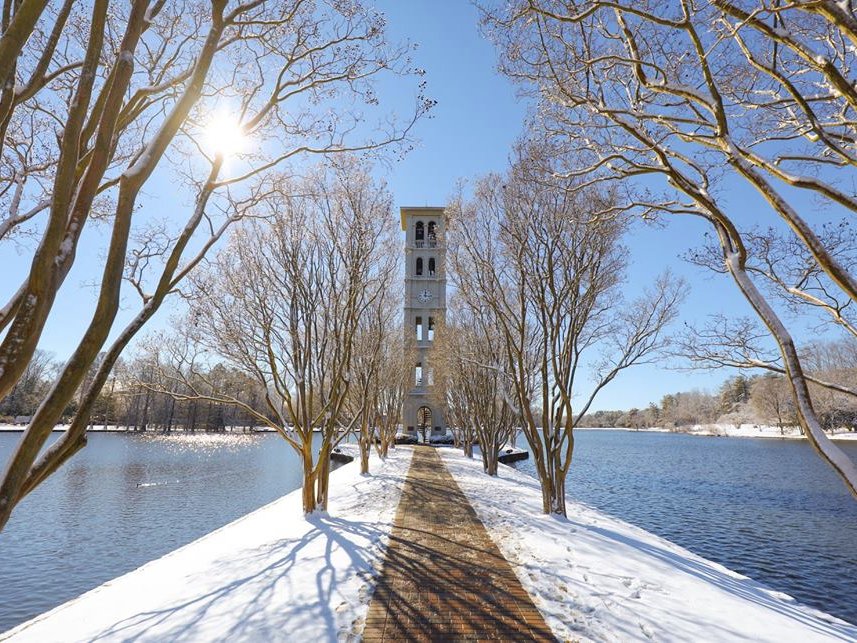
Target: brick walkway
point(443, 577)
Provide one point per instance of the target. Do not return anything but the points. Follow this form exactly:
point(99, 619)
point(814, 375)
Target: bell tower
point(425, 308)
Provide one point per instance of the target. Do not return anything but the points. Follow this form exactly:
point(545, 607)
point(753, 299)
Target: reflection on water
point(125, 500)
point(770, 509)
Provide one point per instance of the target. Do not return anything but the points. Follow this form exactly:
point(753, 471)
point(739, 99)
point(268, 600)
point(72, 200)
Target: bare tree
point(771, 399)
point(392, 384)
point(153, 378)
point(479, 396)
point(375, 327)
point(452, 389)
point(147, 101)
point(284, 304)
point(30, 388)
point(536, 254)
point(690, 93)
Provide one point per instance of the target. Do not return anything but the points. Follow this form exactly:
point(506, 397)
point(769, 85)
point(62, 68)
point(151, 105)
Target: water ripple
point(769, 509)
point(125, 500)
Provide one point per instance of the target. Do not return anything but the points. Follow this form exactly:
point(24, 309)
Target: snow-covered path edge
point(595, 577)
point(268, 576)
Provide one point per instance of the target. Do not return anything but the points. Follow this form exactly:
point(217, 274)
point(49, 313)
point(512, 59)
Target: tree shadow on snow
point(253, 600)
point(744, 588)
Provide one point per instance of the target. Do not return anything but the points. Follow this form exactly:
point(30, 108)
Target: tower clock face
point(425, 295)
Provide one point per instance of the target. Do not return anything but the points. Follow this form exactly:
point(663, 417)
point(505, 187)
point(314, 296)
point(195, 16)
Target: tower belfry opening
point(423, 413)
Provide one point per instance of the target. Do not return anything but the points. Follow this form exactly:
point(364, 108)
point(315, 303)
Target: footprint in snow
point(647, 631)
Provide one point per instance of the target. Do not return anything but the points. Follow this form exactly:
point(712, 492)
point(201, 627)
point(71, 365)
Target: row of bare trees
point(476, 392)
point(538, 267)
point(98, 98)
point(302, 303)
point(670, 103)
point(125, 403)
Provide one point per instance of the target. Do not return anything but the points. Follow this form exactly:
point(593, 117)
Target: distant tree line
point(132, 398)
point(752, 399)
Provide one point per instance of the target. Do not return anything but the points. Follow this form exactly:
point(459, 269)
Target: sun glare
point(224, 136)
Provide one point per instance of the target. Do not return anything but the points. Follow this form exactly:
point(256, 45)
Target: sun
point(224, 135)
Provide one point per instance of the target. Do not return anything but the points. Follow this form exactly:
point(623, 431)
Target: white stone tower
point(425, 308)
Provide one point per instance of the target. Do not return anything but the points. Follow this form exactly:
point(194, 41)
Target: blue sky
point(470, 133)
point(476, 121)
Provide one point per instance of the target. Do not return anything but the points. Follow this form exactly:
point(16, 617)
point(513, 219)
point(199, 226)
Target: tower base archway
point(422, 419)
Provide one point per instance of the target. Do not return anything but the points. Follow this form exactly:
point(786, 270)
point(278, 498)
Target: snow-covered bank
point(112, 428)
point(19, 428)
point(595, 577)
point(269, 576)
point(731, 431)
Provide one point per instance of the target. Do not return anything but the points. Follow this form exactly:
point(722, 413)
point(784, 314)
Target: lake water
point(766, 508)
point(127, 499)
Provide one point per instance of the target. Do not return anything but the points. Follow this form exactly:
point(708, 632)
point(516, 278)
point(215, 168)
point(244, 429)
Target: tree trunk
point(364, 456)
point(322, 478)
point(192, 423)
point(169, 423)
point(490, 461)
point(553, 491)
point(364, 441)
point(385, 446)
point(145, 421)
point(308, 493)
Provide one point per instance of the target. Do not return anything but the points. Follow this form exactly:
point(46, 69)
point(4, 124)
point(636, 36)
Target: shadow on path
point(443, 577)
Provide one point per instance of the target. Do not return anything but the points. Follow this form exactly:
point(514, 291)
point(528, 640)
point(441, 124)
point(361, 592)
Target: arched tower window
point(419, 270)
point(432, 231)
point(430, 329)
point(421, 231)
point(431, 267)
point(420, 328)
point(418, 374)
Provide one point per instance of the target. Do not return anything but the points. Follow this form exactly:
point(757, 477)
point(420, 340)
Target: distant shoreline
point(730, 431)
point(702, 430)
point(62, 428)
point(111, 428)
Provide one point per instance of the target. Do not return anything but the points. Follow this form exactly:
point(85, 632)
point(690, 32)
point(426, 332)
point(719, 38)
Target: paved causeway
point(443, 577)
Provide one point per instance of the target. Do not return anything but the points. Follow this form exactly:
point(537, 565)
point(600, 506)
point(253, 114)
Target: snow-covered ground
point(11, 428)
point(732, 431)
point(98, 428)
point(269, 576)
point(595, 577)
point(111, 428)
point(273, 575)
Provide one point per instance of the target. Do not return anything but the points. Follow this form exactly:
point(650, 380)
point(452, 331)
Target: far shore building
point(424, 310)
